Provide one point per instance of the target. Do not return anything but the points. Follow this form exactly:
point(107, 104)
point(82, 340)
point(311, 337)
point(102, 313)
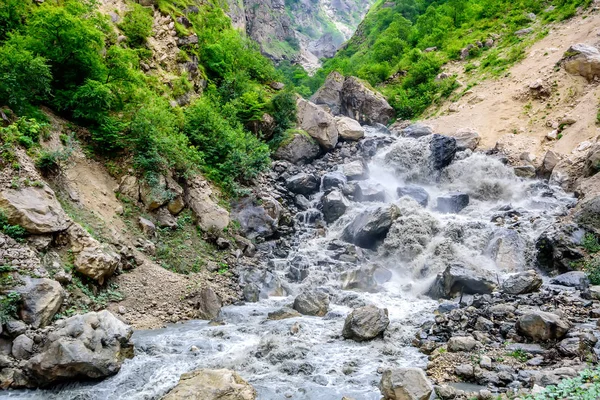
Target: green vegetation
point(392, 49)
point(519, 355)
point(586, 386)
point(8, 306)
point(592, 268)
point(65, 55)
point(590, 243)
point(14, 231)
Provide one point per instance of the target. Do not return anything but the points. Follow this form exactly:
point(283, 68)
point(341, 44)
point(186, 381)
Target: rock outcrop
point(209, 215)
point(318, 123)
point(40, 301)
point(300, 149)
point(364, 104)
point(584, 60)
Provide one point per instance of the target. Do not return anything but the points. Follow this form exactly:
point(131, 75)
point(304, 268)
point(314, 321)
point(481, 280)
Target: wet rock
point(22, 347)
point(575, 279)
point(312, 302)
point(303, 183)
point(542, 326)
point(416, 131)
point(525, 171)
point(452, 203)
point(283, 313)
point(462, 343)
point(355, 171)
point(417, 193)
point(147, 227)
point(207, 384)
point(367, 278)
point(365, 323)
point(332, 180)
point(349, 129)
point(88, 346)
point(559, 247)
point(371, 226)
point(35, 209)
point(588, 215)
point(363, 104)
point(334, 205)
point(207, 303)
point(405, 384)
point(443, 149)
point(551, 160)
point(522, 283)
point(466, 138)
point(458, 279)
point(259, 220)
point(318, 123)
point(330, 92)
point(367, 191)
point(40, 301)
point(583, 60)
point(301, 149)
point(209, 215)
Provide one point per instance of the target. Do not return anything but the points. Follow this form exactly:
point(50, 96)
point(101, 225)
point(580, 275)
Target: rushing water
point(306, 357)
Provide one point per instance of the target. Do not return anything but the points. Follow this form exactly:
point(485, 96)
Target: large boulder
point(334, 205)
point(208, 384)
point(416, 131)
point(333, 180)
point(542, 326)
point(330, 93)
point(368, 191)
point(588, 215)
point(550, 161)
point(36, 209)
point(417, 193)
point(458, 344)
point(458, 279)
point(365, 323)
point(371, 226)
point(299, 149)
point(364, 104)
point(452, 203)
point(365, 278)
point(209, 215)
point(88, 346)
point(592, 162)
point(466, 139)
point(155, 194)
point(559, 247)
point(130, 187)
point(355, 171)
point(405, 384)
point(318, 123)
point(207, 304)
point(575, 279)
point(583, 60)
point(303, 183)
point(349, 129)
point(313, 302)
point(443, 149)
point(522, 283)
point(92, 258)
point(41, 298)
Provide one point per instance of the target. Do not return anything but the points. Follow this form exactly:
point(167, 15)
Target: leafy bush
point(8, 306)
point(137, 25)
point(12, 16)
point(14, 231)
point(586, 386)
point(590, 243)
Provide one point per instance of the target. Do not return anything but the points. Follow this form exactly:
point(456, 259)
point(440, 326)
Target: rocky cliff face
point(302, 31)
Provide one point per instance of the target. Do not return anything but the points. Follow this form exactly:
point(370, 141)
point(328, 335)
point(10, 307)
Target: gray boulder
point(417, 193)
point(207, 304)
point(458, 279)
point(466, 139)
point(363, 104)
point(365, 323)
point(522, 283)
point(592, 162)
point(542, 326)
point(303, 183)
point(443, 149)
point(367, 191)
point(559, 247)
point(40, 301)
point(583, 60)
point(22, 347)
point(588, 215)
point(88, 346)
point(574, 279)
point(300, 149)
point(371, 226)
point(405, 384)
point(416, 131)
point(207, 384)
point(452, 203)
point(334, 205)
point(283, 313)
point(332, 180)
point(330, 93)
point(462, 344)
point(550, 161)
point(315, 303)
point(318, 123)
point(355, 171)
point(365, 278)
point(349, 129)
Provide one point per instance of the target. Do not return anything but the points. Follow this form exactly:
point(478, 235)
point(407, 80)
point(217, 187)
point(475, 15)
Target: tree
point(12, 15)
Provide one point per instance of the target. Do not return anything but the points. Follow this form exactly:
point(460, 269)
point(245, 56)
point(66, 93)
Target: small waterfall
point(306, 358)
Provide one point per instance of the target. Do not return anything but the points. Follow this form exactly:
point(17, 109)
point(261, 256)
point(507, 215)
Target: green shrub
point(590, 243)
point(586, 386)
point(137, 25)
point(8, 306)
point(12, 16)
point(14, 231)
point(592, 268)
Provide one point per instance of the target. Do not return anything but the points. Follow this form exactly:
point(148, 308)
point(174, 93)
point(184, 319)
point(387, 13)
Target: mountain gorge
point(299, 199)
